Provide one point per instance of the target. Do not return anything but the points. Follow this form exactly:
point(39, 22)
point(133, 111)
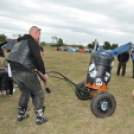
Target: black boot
point(22, 114)
point(39, 117)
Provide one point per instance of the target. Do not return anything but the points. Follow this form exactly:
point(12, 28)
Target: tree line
point(106, 45)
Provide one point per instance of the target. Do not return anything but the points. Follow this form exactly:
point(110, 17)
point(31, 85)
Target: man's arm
point(3, 43)
point(34, 48)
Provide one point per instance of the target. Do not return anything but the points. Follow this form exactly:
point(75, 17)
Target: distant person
point(3, 82)
point(6, 83)
point(1, 50)
point(132, 57)
point(122, 58)
point(24, 58)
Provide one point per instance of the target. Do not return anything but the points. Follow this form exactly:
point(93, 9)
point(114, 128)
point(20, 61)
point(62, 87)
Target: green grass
point(67, 114)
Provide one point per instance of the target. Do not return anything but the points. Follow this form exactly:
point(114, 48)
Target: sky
point(75, 21)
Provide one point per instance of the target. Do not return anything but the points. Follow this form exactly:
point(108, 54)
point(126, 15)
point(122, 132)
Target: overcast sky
point(75, 21)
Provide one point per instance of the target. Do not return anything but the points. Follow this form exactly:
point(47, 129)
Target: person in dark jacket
point(122, 58)
point(23, 58)
point(6, 83)
point(1, 50)
point(3, 81)
point(132, 57)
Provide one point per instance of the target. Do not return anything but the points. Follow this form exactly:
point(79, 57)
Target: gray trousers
point(28, 83)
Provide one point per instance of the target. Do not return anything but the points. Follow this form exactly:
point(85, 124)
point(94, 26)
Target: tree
point(81, 46)
point(107, 45)
point(114, 46)
point(2, 37)
point(91, 45)
point(60, 42)
point(42, 43)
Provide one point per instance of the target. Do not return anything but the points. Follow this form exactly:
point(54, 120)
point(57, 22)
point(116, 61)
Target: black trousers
point(121, 66)
point(28, 83)
point(3, 79)
point(10, 85)
point(6, 82)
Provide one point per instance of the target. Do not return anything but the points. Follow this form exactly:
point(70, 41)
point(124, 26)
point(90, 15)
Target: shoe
point(40, 120)
point(39, 116)
point(48, 90)
point(22, 117)
point(22, 114)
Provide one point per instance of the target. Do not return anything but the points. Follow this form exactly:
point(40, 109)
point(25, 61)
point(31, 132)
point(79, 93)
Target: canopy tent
point(82, 50)
point(70, 49)
point(118, 50)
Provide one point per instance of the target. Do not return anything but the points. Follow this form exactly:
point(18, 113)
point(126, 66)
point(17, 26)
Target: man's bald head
point(34, 29)
point(35, 32)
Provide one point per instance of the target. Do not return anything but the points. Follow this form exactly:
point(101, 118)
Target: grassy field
point(67, 114)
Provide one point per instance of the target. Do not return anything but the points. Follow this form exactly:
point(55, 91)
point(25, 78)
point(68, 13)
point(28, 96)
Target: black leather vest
point(21, 54)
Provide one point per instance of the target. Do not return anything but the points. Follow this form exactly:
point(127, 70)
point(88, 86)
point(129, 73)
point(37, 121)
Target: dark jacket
point(1, 50)
point(124, 57)
point(33, 53)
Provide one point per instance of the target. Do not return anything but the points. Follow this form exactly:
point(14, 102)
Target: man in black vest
point(122, 58)
point(23, 58)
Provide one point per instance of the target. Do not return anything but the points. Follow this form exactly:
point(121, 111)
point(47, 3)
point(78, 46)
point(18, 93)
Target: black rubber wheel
point(80, 94)
point(5, 63)
point(103, 104)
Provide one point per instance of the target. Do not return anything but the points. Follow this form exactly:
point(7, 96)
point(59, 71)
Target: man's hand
point(45, 76)
point(48, 90)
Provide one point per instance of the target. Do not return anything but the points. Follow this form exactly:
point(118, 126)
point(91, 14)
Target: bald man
point(23, 58)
